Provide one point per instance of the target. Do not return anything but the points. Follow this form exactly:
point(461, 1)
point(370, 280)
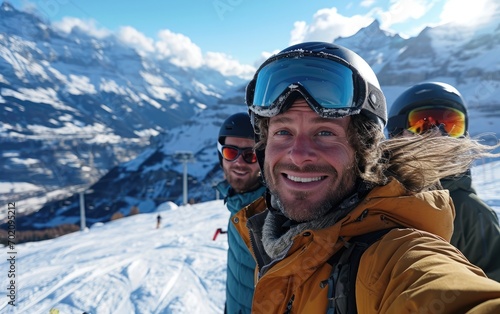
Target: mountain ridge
point(74, 105)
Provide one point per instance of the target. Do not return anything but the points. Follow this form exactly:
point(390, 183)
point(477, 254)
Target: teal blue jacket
point(476, 228)
point(240, 263)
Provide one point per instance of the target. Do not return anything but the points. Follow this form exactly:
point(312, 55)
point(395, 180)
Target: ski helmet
point(335, 82)
point(236, 125)
point(428, 94)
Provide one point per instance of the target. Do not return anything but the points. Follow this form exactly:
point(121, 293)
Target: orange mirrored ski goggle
point(231, 153)
point(451, 120)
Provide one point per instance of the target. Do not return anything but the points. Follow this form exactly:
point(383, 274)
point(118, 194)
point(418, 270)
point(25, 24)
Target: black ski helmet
point(236, 125)
point(368, 97)
point(426, 94)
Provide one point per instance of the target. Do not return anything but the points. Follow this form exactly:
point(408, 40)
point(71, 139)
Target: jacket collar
point(464, 182)
point(383, 207)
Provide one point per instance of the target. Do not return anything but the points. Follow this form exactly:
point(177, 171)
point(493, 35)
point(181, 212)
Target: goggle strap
point(397, 123)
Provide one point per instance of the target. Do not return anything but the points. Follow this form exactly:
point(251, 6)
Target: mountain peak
point(375, 29)
point(374, 24)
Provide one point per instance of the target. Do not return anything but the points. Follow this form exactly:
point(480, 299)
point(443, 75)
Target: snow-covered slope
point(129, 267)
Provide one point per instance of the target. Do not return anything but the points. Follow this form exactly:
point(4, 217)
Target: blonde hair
point(418, 162)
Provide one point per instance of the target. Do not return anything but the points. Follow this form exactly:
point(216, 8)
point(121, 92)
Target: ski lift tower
point(82, 193)
point(184, 157)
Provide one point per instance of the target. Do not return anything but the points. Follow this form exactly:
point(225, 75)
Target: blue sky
point(237, 35)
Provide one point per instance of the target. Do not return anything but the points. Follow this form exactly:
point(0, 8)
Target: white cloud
point(226, 65)
point(401, 11)
point(178, 49)
point(135, 39)
point(327, 25)
point(413, 13)
point(181, 51)
point(367, 3)
point(67, 24)
point(300, 29)
point(468, 12)
point(174, 47)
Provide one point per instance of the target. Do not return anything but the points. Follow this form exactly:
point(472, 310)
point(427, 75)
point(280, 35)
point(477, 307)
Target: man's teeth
point(303, 180)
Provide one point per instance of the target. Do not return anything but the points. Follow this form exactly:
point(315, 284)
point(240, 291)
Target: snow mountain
point(73, 106)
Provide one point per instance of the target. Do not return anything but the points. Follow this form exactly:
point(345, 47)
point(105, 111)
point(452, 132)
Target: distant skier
point(158, 221)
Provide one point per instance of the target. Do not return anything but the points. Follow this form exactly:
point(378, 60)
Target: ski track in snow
point(128, 264)
point(163, 301)
point(72, 281)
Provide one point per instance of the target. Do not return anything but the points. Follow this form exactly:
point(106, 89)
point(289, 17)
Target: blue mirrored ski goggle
point(327, 85)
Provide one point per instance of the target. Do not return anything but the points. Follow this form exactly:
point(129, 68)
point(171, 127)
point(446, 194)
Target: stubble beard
point(298, 208)
point(242, 185)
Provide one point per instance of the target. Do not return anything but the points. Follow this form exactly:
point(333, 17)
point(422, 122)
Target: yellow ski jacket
point(412, 269)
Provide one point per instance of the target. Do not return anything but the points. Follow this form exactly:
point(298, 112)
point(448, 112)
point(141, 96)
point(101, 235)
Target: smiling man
point(242, 186)
point(337, 191)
